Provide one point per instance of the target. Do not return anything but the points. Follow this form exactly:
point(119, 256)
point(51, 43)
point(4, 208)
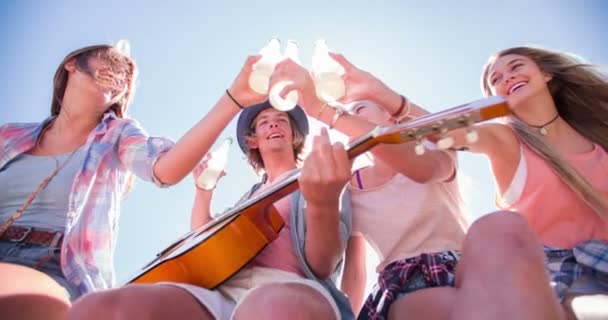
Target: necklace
point(542, 129)
point(44, 183)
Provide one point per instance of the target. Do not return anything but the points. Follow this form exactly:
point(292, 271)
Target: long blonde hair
point(580, 93)
point(107, 51)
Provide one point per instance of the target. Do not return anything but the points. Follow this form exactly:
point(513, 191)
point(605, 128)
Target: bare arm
point(201, 210)
point(325, 172)
point(432, 166)
point(498, 143)
point(355, 272)
point(190, 149)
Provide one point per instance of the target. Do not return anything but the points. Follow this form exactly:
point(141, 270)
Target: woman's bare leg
point(132, 302)
point(26, 293)
point(291, 301)
point(501, 275)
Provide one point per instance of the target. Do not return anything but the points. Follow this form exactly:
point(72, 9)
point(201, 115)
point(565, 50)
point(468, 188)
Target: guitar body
point(209, 257)
point(211, 254)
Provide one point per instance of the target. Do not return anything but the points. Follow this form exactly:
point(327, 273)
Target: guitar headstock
point(436, 125)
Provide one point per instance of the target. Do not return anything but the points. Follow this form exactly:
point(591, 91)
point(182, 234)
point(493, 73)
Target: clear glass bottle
point(263, 68)
point(208, 178)
point(327, 74)
point(291, 99)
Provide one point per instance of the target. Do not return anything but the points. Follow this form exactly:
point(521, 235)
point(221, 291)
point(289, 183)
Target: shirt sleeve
point(138, 151)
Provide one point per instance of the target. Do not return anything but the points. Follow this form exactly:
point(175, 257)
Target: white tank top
point(403, 218)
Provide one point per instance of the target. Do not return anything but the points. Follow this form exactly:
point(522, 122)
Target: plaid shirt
point(115, 149)
point(567, 265)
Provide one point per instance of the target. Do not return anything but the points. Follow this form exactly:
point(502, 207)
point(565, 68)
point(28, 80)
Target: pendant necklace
point(542, 128)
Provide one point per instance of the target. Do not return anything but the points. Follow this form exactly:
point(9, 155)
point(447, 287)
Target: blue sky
point(188, 52)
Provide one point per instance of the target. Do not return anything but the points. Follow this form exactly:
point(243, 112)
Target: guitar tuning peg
point(472, 136)
point(445, 143)
point(419, 149)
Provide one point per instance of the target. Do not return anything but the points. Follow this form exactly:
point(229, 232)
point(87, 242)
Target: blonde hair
point(255, 158)
point(107, 52)
point(580, 93)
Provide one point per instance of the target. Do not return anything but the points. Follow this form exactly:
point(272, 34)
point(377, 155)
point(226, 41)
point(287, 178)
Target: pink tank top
point(279, 254)
point(557, 215)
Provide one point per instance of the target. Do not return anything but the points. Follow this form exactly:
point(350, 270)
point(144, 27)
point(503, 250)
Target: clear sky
point(188, 52)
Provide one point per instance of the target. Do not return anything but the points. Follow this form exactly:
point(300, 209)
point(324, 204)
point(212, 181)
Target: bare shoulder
point(496, 139)
point(503, 152)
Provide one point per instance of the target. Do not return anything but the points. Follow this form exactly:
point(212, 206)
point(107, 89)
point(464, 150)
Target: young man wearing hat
point(294, 275)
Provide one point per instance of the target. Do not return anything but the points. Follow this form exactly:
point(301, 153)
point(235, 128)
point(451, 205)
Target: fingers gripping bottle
point(216, 164)
point(291, 99)
point(262, 70)
point(327, 74)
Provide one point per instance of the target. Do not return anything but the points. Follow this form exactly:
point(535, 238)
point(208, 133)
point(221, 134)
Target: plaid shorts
point(565, 266)
point(408, 275)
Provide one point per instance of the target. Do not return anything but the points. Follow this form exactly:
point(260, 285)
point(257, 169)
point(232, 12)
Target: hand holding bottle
point(209, 171)
point(362, 85)
point(299, 79)
point(327, 73)
point(240, 88)
point(261, 71)
point(289, 101)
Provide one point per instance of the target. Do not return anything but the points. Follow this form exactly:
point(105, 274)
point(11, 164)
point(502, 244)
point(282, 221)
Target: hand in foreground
point(325, 172)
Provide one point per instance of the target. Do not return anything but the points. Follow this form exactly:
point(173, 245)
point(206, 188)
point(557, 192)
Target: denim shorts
point(27, 254)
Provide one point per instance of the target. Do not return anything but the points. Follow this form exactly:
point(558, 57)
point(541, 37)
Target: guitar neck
point(414, 130)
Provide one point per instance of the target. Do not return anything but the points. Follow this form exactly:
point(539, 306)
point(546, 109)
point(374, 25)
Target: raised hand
point(240, 89)
point(200, 168)
point(362, 85)
point(301, 80)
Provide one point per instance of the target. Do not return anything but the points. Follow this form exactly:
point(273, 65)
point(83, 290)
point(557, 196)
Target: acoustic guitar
point(212, 253)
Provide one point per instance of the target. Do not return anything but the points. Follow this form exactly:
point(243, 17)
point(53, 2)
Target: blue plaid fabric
point(565, 266)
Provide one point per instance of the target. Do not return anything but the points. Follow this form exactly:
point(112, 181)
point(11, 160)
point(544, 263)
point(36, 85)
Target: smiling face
point(517, 78)
point(273, 131)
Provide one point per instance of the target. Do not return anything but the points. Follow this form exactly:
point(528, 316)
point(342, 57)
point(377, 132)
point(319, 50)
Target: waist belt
point(32, 235)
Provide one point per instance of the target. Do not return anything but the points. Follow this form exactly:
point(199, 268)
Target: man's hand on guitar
point(325, 172)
